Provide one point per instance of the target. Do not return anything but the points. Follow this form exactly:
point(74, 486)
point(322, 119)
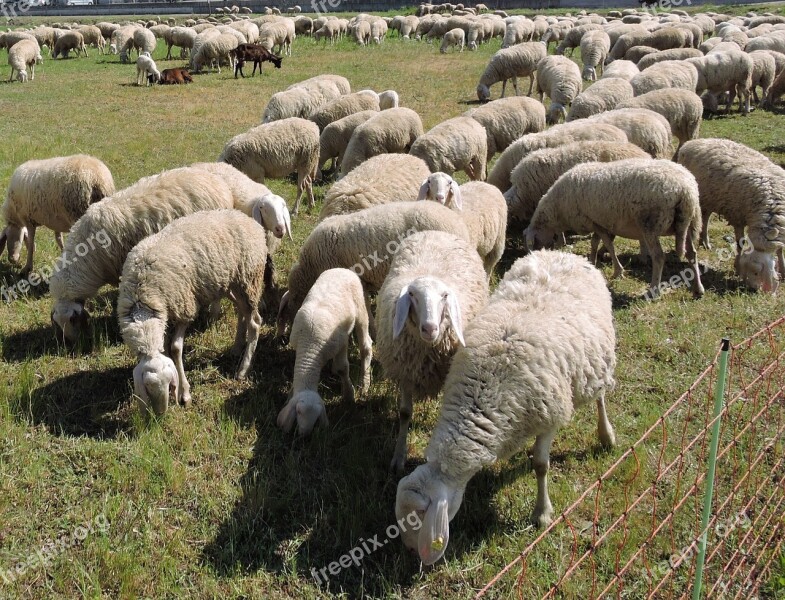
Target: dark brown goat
point(175, 76)
point(255, 52)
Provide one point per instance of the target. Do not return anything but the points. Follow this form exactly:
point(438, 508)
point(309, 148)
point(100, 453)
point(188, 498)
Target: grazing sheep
point(536, 173)
point(623, 69)
point(301, 100)
point(764, 68)
point(333, 308)
point(682, 108)
point(517, 30)
point(23, 55)
point(507, 119)
point(748, 190)
point(637, 53)
point(390, 131)
point(92, 36)
point(361, 31)
point(281, 34)
point(645, 128)
point(343, 107)
point(457, 144)
point(146, 70)
point(190, 264)
point(636, 198)
point(144, 41)
point(454, 37)
point(510, 63)
point(543, 346)
point(118, 223)
point(672, 54)
point(10, 38)
point(334, 140)
point(729, 72)
point(435, 286)
point(594, 48)
point(381, 179)
point(45, 36)
point(666, 74)
point(51, 193)
point(182, 37)
point(215, 51)
point(604, 94)
point(560, 79)
point(558, 135)
point(275, 150)
point(572, 37)
point(70, 40)
point(775, 92)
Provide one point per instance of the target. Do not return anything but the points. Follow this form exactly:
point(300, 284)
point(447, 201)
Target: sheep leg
point(253, 322)
point(604, 428)
point(504, 87)
point(607, 241)
point(515, 85)
point(657, 262)
point(692, 256)
point(704, 239)
point(741, 241)
point(371, 319)
point(401, 446)
point(340, 367)
point(177, 357)
point(781, 262)
point(59, 239)
point(365, 343)
point(595, 243)
point(30, 242)
point(541, 458)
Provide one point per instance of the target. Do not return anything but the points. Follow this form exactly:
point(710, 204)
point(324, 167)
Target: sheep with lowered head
point(682, 108)
point(729, 72)
point(146, 70)
point(457, 144)
point(543, 346)
point(516, 61)
point(23, 55)
point(335, 137)
point(343, 107)
point(645, 128)
point(70, 40)
point(300, 101)
point(594, 48)
point(560, 79)
point(666, 74)
point(602, 95)
point(507, 119)
point(624, 69)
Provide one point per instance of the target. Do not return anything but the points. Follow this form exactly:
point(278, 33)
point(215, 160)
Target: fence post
point(715, 441)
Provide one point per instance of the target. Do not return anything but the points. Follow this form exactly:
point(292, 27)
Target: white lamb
point(543, 346)
point(455, 37)
point(146, 70)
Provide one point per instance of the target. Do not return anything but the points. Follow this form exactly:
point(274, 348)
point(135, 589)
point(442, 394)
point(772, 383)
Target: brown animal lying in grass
point(175, 76)
point(255, 52)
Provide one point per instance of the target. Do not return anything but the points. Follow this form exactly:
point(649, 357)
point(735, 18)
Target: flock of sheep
point(510, 365)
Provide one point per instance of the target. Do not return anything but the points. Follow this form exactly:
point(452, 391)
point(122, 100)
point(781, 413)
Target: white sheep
point(729, 72)
point(645, 128)
point(560, 79)
point(275, 150)
point(379, 180)
point(51, 193)
point(435, 286)
point(682, 108)
point(390, 131)
point(604, 94)
point(543, 346)
point(23, 55)
point(168, 277)
point(333, 308)
point(624, 69)
point(215, 51)
point(507, 119)
point(92, 36)
point(70, 40)
point(748, 190)
point(146, 70)
point(457, 144)
point(665, 74)
point(672, 54)
point(454, 37)
point(776, 90)
point(572, 37)
point(335, 137)
point(100, 240)
point(510, 63)
point(301, 100)
point(763, 74)
point(637, 198)
point(144, 41)
point(594, 48)
point(182, 37)
point(343, 107)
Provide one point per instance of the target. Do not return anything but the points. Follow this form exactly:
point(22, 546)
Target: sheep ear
point(435, 531)
point(281, 329)
point(287, 219)
point(424, 189)
point(457, 200)
point(287, 416)
point(256, 212)
point(454, 311)
point(528, 238)
point(402, 306)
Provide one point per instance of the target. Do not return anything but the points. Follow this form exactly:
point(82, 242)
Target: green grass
point(215, 501)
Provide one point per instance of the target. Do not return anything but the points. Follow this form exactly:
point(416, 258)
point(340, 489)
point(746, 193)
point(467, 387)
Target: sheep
point(51, 193)
point(746, 189)
point(764, 68)
point(560, 79)
point(343, 107)
point(388, 99)
point(457, 144)
point(162, 283)
point(93, 36)
point(45, 36)
point(536, 173)
point(118, 223)
point(23, 55)
point(215, 50)
point(672, 54)
point(361, 31)
point(645, 128)
point(623, 69)
point(636, 53)
point(550, 138)
point(10, 38)
point(510, 63)
point(662, 39)
point(682, 108)
point(434, 287)
point(666, 74)
point(507, 119)
point(637, 198)
point(362, 241)
point(517, 30)
point(594, 48)
point(390, 131)
point(182, 37)
point(144, 41)
point(334, 140)
point(601, 96)
point(146, 70)
point(333, 308)
point(542, 346)
point(70, 40)
point(330, 30)
point(281, 34)
point(379, 180)
point(275, 150)
point(454, 37)
point(301, 100)
point(572, 38)
point(775, 92)
point(303, 25)
point(725, 72)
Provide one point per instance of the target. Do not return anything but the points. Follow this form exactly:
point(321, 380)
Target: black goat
point(255, 52)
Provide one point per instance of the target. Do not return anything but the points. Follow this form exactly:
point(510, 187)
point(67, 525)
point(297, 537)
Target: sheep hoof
point(607, 439)
point(542, 519)
point(396, 466)
point(186, 400)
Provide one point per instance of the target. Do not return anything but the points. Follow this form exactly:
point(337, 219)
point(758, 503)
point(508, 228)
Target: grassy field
point(215, 501)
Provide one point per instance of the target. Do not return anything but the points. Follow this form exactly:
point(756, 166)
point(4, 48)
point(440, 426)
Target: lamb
point(543, 346)
point(510, 63)
point(454, 37)
point(560, 79)
point(605, 94)
point(215, 50)
point(390, 131)
point(550, 138)
point(456, 144)
point(376, 234)
point(175, 77)
point(70, 40)
point(535, 174)
point(182, 37)
point(594, 48)
point(434, 287)
point(343, 107)
point(301, 100)
point(725, 72)
point(746, 189)
point(51, 193)
point(118, 223)
point(666, 74)
point(333, 308)
point(620, 68)
point(146, 70)
point(275, 150)
point(381, 179)
point(645, 128)
point(23, 55)
point(507, 119)
point(672, 54)
point(638, 198)
point(162, 284)
point(334, 140)
point(682, 108)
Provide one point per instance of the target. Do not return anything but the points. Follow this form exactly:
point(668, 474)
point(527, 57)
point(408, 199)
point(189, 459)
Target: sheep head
point(432, 306)
point(272, 213)
point(443, 189)
point(155, 382)
point(69, 319)
point(758, 270)
point(483, 93)
point(307, 409)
